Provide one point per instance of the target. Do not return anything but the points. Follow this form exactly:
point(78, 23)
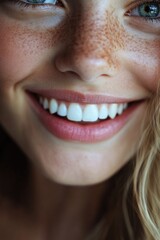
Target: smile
point(76, 117)
point(77, 112)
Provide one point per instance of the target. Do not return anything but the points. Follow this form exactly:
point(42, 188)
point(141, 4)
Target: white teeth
point(62, 110)
point(90, 113)
point(125, 105)
point(74, 112)
point(103, 111)
point(120, 109)
point(86, 113)
point(45, 103)
point(53, 106)
point(113, 110)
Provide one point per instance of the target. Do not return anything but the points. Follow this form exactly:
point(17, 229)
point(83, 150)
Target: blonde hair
point(133, 205)
point(146, 178)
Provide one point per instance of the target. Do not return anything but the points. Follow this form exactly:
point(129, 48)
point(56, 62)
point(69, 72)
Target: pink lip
point(73, 96)
point(88, 132)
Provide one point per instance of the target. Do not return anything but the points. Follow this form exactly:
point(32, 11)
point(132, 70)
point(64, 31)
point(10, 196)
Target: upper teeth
point(87, 113)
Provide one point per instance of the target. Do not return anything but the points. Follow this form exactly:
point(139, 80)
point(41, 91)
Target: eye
point(149, 10)
point(35, 4)
point(40, 1)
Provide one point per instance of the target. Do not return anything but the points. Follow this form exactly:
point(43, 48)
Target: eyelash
point(138, 4)
point(34, 5)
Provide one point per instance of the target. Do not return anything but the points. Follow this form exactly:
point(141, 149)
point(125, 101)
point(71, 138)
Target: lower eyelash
point(24, 4)
point(152, 19)
point(20, 3)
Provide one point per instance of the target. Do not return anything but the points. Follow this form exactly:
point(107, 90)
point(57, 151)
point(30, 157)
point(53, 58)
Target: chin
point(77, 165)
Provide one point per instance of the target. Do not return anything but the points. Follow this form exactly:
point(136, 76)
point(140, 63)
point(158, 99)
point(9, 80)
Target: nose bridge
point(96, 32)
point(91, 44)
point(87, 36)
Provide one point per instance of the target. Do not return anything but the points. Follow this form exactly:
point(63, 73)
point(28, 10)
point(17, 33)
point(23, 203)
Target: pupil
point(149, 10)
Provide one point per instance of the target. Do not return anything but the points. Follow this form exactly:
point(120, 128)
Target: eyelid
point(25, 1)
point(24, 4)
point(139, 2)
point(46, 2)
point(36, 11)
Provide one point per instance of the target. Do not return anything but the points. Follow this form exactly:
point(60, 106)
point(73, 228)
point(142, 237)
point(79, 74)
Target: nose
point(86, 68)
point(87, 52)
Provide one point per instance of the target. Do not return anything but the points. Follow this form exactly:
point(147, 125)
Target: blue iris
point(150, 10)
point(35, 1)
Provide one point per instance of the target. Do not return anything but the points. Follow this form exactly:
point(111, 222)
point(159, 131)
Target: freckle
point(97, 36)
point(146, 46)
point(31, 40)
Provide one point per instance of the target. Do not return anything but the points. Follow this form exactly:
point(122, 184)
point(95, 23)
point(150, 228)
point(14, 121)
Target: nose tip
point(86, 68)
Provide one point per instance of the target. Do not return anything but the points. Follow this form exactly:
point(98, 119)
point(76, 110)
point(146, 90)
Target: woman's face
point(75, 77)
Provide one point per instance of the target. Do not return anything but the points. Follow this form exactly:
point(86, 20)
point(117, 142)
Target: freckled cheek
point(21, 53)
point(15, 63)
point(13, 67)
point(144, 62)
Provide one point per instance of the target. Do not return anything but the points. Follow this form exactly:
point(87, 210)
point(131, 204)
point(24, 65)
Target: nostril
point(86, 68)
point(104, 75)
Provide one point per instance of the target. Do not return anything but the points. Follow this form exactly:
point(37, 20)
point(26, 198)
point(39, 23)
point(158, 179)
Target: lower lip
point(88, 132)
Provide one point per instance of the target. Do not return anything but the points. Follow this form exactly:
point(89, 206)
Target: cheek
point(23, 50)
point(143, 58)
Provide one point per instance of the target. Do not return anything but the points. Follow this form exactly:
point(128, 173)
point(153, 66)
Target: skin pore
point(91, 47)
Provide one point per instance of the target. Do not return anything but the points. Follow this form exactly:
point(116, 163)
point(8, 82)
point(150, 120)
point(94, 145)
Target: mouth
point(82, 121)
point(82, 113)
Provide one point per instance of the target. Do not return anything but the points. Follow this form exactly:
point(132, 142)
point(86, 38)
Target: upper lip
point(74, 96)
